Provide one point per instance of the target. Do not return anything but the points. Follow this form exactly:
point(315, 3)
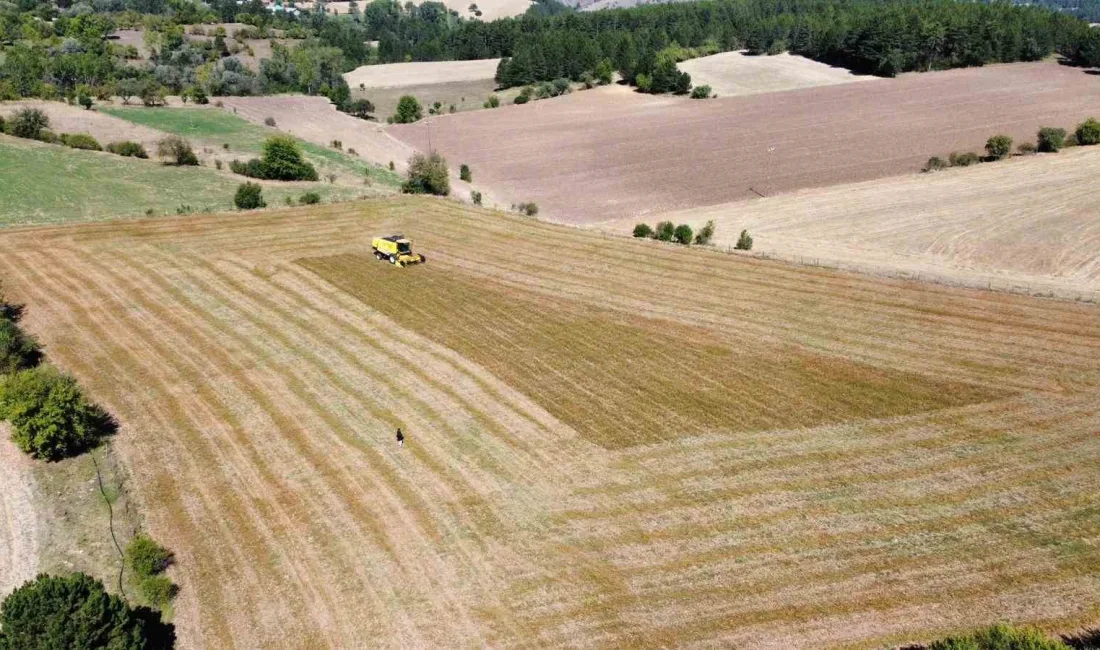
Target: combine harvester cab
point(396, 250)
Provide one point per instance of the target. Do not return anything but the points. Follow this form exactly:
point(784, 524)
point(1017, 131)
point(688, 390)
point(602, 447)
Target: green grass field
point(51, 184)
point(215, 128)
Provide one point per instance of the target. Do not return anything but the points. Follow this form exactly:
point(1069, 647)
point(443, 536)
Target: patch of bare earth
point(1025, 224)
point(612, 153)
point(731, 74)
point(396, 75)
point(20, 544)
point(260, 365)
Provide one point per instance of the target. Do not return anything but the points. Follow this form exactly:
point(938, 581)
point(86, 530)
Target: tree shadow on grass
point(1086, 640)
point(160, 635)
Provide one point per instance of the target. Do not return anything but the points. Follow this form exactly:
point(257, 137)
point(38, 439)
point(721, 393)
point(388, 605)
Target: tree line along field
point(829, 459)
point(609, 153)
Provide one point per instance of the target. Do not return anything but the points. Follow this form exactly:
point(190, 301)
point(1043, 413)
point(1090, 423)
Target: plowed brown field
point(609, 443)
point(612, 153)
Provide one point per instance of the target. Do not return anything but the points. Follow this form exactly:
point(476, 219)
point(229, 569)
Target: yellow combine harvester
point(396, 250)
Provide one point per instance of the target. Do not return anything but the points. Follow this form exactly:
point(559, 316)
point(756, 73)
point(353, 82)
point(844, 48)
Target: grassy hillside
point(610, 443)
point(49, 184)
point(215, 128)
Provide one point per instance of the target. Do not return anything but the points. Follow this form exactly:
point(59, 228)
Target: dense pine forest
point(63, 49)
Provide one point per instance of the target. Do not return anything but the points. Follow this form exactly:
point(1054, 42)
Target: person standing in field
point(400, 438)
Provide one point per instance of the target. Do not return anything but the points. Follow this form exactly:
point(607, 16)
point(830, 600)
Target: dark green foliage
point(683, 234)
point(18, 350)
point(963, 159)
point(309, 198)
point(998, 146)
point(744, 242)
point(50, 417)
point(427, 175)
point(1088, 132)
point(522, 98)
point(145, 557)
point(464, 173)
point(604, 72)
point(705, 234)
point(475, 196)
point(1051, 139)
point(158, 591)
point(1000, 637)
point(700, 92)
point(361, 108)
point(492, 102)
point(249, 196)
point(665, 231)
point(80, 141)
point(27, 123)
point(408, 110)
point(85, 101)
point(76, 612)
point(642, 230)
point(269, 121)
point(529, 209)
point(934, 164)
point(127, 148)
point(282, 161)
point(176, 151)
point(46, 135)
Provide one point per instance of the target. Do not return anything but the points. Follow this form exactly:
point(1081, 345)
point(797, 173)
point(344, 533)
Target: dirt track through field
point(19, 549)
point(612, 153)
point(259, 400)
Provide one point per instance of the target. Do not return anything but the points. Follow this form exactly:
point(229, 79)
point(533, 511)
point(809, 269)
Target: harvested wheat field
point(398, 75)
point(74, 119)
point(732, 74)
point(1025, 224)
point(612, 153)
point(609, 443)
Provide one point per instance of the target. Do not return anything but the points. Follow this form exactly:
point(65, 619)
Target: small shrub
point(562, 86)
point(1051, 139)
point(158, 591)
point(337, 145)
point(282, 161)
point(1071, 141)
point(427, 175)
point(408, 110)
point(176, 151)
point(309, 198)
point(50, 417)
point(998, 147)
point(391, 166)
point(269, 121)
point(1026, 149)
point(700, 92)
point(464, 173)
point(665, 231)
point(48, 136)
point(80, 141)
point(492, 102)
point(475, 197)
point(642, 230)
point(352, 152)
point(218, 165)
point(249, 197)
point(1088, 132)
point(146, 557)
point(963, 159)
point(184, 209)
point(521, 99)
point(744, 242)
point(85, 101)
point(27, 123)
point(705, 234)
point(683, 234)
point(935, 164)
point(529, 209)
point(128, 149)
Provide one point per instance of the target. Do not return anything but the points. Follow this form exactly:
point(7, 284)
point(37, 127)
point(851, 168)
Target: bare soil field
point(1028, 224)
point(609, 443)
point(398, 75)
point(612, 153)
point(731, 74)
